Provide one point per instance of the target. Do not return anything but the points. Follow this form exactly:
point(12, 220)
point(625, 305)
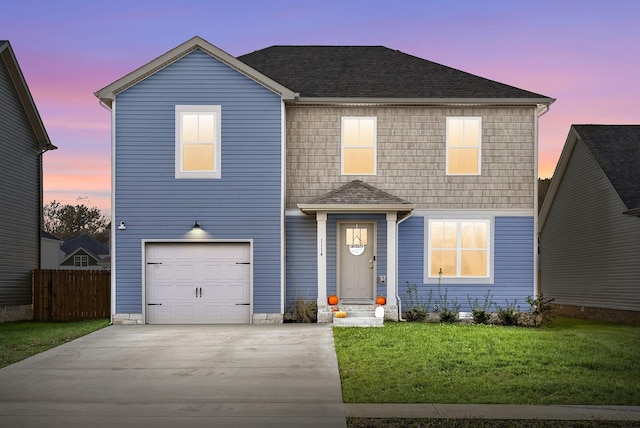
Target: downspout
point(536, 289)
point(398, 300)
point(112, 234)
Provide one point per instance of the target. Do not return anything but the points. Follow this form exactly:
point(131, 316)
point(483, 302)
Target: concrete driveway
point(186, 376)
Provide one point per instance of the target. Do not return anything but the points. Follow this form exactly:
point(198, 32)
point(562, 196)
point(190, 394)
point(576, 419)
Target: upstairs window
point(198, 141)
point(359, 136)
point(464, 140)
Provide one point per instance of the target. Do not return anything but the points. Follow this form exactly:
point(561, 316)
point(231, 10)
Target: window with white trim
point(198, 141)
point(80, 261)
point(464, 143)
point(459, 248)
point(359, 135)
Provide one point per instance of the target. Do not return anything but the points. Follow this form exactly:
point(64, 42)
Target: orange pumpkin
point(381, 300)
point(341, 314)
point(333, 299)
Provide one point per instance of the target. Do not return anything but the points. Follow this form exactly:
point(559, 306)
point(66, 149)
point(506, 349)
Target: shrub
point(303, 311)
point(448, 310)
point(417, 309)
point(509, 315)
point(541, 310)
point(481, 313)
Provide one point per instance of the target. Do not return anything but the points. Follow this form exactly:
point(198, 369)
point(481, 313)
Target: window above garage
point(198, 141)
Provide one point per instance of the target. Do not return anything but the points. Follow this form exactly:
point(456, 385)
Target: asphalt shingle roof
point(373, 72)
point(616, 148)
point(85, 242)
point(357, 192)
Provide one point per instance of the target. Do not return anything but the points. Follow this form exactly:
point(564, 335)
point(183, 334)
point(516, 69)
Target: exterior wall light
point(196, 225)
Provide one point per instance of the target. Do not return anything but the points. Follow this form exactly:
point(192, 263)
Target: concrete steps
point(358, 316)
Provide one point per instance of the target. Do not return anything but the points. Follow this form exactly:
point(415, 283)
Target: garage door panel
point(198, 283)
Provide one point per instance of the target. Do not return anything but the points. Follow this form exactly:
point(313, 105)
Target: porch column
point(321, 219)
point(392, 258)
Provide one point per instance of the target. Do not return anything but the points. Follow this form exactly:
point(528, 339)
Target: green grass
point(23, 339)
point(572, 362)
point(484, 423)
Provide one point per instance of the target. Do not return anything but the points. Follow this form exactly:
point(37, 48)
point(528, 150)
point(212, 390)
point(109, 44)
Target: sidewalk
point(493, 411)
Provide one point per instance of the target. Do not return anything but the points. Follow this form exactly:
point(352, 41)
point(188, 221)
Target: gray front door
point(356, 252)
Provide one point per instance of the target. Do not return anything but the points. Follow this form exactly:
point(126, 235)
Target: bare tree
point(65, 221)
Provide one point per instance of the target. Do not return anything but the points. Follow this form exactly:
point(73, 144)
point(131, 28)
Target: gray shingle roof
point(357, 192)
point(616, 148)
point(85, 242)
point(372, 72)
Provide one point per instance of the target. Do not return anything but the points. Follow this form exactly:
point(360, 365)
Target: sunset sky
point(584, 54)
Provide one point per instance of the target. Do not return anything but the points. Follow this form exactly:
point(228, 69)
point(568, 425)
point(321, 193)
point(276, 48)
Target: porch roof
point(357, 196)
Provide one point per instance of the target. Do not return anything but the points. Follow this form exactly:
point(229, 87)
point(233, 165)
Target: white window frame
point(450, 146)
point(80, 260)
point(488, 279)
point(375, 143)
point(217, 111)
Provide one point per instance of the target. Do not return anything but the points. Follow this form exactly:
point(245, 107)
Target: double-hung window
point(80, 261)
point(464, 141)
point(459, 248)
point(198, 141)
point(359, 136)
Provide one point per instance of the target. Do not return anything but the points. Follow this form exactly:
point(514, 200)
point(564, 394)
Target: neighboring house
point(23, 140)
point(296, 172)
point(590, 225)
point(83, 253)
point(49, 251)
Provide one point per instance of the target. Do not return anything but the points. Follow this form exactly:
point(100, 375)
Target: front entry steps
point(358, 316)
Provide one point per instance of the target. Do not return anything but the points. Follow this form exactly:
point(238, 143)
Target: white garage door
point(198, 283)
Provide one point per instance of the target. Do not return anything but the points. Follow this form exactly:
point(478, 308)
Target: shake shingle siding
point(243, 204)
point(411, 156)
point(19, 187)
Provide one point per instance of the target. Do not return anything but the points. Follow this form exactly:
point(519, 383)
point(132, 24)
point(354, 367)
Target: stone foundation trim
point(127, 319)
point(266, 318)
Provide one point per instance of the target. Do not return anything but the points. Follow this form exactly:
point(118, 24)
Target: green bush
point(509, 315)
point(418, 311)
point(481, 313)
point(541, 310)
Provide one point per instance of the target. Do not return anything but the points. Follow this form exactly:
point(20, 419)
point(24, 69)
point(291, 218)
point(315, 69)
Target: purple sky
point(586, 54)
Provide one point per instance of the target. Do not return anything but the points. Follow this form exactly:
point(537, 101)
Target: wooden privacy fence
point(71, 295)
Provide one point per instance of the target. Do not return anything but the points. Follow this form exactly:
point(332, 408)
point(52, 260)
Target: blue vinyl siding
point(302, 267)
point(513, 264)
point(243, 204)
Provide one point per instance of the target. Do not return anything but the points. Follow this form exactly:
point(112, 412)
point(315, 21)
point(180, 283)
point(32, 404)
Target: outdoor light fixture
point(196, 225)
point(122, 226)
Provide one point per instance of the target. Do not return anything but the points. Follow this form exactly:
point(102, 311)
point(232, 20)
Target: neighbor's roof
point(377, 72)
point(616, 149)
point(8, 57)
point(85, 242)
point(357, 196)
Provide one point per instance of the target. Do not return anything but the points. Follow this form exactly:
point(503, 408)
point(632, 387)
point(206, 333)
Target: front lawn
point(572, 362)
point(22, 339)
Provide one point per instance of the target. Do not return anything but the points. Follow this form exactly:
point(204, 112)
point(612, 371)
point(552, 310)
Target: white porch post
point(321, 219)
point(392, 258)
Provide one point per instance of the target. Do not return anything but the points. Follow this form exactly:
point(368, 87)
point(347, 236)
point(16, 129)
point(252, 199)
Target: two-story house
point(23, 140)
point(297, 172)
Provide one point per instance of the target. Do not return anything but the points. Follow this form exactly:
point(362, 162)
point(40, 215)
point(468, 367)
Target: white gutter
point(398, 300)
